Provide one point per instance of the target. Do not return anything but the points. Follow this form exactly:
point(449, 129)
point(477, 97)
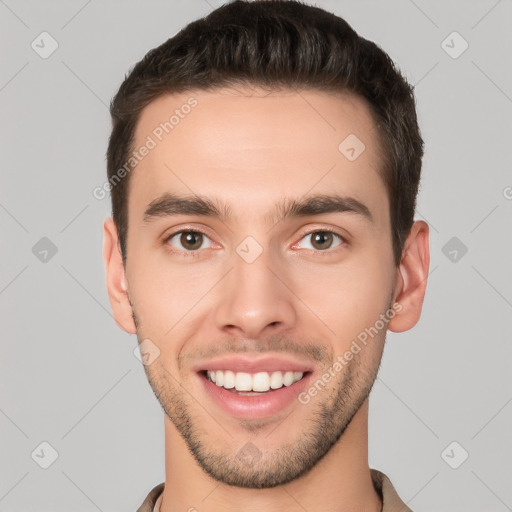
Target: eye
point(189, 240)
point(321, 240)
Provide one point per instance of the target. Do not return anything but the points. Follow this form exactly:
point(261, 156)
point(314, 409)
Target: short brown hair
point(276, 44)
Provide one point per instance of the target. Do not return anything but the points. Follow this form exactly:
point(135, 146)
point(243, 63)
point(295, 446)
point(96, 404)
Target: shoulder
point(149, 503)
point(390, 499)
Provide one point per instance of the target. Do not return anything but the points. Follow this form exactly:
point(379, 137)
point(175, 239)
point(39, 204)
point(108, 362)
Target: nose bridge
point(252, 297)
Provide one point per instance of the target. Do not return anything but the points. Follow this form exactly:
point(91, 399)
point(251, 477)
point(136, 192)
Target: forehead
point(248, 145)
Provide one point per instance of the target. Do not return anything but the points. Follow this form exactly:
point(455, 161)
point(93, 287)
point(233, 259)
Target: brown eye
point(188, 240)
point(191, 241)
point(322, 240)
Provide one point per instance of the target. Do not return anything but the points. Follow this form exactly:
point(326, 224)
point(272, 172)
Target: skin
point(250, 149)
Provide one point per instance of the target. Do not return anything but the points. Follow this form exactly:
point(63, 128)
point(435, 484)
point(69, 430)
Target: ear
point(411, 278)
point(116, 278)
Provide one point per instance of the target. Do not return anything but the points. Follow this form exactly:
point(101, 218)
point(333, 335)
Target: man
point(264, 165)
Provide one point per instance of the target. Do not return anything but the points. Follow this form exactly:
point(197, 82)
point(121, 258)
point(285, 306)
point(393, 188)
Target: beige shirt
point(391, 502)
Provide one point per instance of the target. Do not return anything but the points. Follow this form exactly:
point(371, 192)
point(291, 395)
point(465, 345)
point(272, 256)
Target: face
point(258, 256)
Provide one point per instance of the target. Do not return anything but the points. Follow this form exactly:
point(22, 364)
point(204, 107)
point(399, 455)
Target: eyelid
point(324, 229)
point(186, 229)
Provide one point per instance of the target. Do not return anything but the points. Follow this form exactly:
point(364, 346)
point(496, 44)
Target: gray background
point(68, 375)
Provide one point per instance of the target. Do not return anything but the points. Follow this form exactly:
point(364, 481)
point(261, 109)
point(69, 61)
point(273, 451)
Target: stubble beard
point(252, 467)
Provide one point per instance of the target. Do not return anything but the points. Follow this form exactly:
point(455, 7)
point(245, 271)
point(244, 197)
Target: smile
point(260, 382)
point(254, 394)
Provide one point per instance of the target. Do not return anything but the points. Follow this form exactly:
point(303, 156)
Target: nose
point(254, 300)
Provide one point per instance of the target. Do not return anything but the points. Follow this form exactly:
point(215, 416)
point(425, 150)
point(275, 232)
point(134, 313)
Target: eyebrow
point(168, 205)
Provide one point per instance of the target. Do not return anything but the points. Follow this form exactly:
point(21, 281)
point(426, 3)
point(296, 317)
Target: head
point(268, 221)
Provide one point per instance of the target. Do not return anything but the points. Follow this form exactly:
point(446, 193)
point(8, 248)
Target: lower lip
point(258, 406)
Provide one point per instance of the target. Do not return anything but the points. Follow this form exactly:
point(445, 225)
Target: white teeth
point(229, 379)
point(260, 382)
point(243, 381)
point(276, 380)
point(288, 379)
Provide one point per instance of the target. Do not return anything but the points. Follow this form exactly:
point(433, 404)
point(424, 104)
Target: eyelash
point(195, 253)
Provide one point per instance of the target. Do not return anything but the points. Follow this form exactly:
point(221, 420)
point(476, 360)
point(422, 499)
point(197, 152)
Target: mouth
point(252, 394)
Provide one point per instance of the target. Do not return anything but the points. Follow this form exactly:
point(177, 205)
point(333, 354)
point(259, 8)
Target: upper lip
point(253, 364)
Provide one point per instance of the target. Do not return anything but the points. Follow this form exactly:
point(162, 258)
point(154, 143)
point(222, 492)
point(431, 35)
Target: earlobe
point(412, 278)
point(116, 278)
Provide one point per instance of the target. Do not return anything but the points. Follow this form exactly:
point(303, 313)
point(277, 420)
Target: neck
point(341, 481)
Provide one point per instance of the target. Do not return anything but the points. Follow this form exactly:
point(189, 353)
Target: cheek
point(348, 298)
point(164, 295)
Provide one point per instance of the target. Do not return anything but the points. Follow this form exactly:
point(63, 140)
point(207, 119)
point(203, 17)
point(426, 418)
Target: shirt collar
point(391, 502)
